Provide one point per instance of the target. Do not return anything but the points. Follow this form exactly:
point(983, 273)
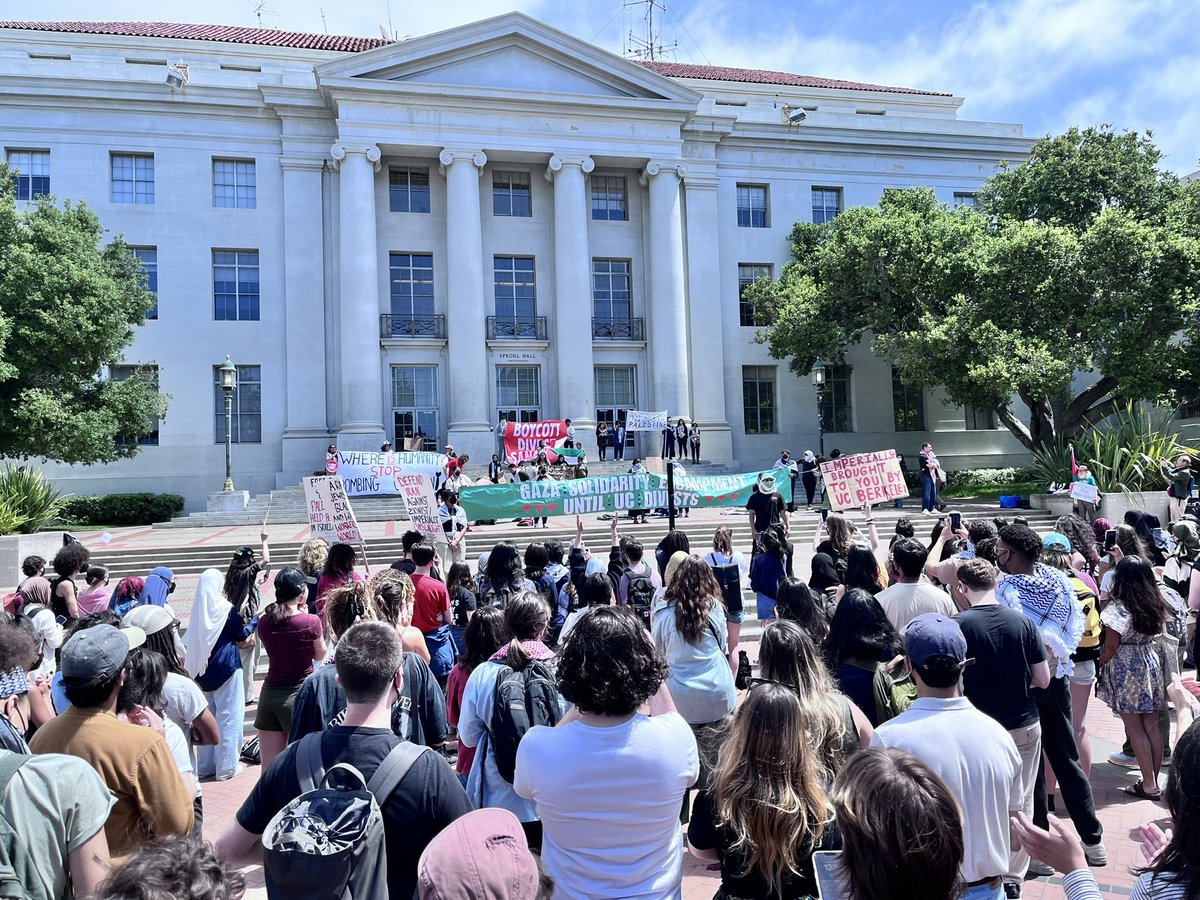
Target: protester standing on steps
point(619, 440)
point(808, 475)
point(930, 478)
point(1181, 483)
point(694, 441)
point(455, 527)
point(431, 611)
point(602, 438)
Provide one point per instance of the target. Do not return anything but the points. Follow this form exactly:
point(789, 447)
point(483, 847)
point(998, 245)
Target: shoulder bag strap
point(393, 769)
point(310, 768)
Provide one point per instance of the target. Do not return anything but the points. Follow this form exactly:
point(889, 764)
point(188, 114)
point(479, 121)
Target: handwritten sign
point(422, 505)
point(854, 481)
point(1081, 490)
point(638, 420)
point(522, 439)
point(330, 515)
point(367, 473)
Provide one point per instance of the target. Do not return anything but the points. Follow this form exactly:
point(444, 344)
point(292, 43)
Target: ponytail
point(526, 618)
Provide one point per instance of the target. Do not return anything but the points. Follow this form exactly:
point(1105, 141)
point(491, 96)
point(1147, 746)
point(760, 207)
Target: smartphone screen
point(1110, 538)
point(955, 521)
point(824, 515)
point(831, 883)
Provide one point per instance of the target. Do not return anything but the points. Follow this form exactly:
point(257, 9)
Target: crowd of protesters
point(567, 721)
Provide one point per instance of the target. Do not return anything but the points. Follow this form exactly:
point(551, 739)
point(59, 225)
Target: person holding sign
point(455, 525)
point(931, 476)
point(1085, 499)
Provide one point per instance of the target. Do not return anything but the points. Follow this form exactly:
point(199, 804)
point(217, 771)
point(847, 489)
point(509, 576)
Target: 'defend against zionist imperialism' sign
point(607, 493)
point(367, 473)
point(855, 481)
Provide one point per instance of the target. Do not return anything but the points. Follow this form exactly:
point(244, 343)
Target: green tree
point(68, 305)
point(1085, 259)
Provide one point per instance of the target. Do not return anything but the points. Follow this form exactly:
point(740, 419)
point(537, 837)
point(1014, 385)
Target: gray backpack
point(19, 879)
point(328, 843)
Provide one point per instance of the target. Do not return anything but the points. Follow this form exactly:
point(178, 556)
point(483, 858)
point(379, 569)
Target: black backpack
point(521, 700)
point(640, 593)
point(729, 577)
point(329, 843)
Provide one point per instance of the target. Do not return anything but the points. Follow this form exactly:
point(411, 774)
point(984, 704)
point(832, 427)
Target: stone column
point(470, 422)
point(306, 433)
point(573, 296)
point(667, 309)
point(361, 385)
point(704, 310)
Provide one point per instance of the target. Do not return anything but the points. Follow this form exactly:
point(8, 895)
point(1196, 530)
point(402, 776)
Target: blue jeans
point(984, 892)
point(228, 705)
point(928, 492)
point(765, 607)
point(457, 641)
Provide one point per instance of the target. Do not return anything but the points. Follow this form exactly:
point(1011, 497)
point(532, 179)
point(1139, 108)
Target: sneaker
point(236, 772)
point(1038, 869)
point(1095, 854)
point(1125, 760)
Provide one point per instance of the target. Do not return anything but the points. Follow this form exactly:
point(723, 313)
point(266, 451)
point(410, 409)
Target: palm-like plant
point(28, 502)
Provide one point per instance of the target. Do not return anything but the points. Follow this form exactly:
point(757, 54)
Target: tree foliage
point(68, 305)
point(1084, 259)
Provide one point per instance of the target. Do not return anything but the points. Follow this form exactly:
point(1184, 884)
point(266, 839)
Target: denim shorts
point(737, 618)
point(766, 607)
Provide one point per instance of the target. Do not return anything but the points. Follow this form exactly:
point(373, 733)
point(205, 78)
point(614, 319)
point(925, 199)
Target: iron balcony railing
point(412, 326)
point(509, 329)
point(607, 328)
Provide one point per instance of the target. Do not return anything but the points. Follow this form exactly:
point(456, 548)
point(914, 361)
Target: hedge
point(979, 478)
point(122, 509)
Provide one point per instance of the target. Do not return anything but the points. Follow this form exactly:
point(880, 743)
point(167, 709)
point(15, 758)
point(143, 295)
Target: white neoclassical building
point(392, 238)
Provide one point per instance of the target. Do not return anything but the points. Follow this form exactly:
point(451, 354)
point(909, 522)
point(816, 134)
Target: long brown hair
point(723, 540)
point(694, 592)
point(902, 831)
point(1135, 587)
point(770, 791)
point(393, 595)
point(841, 533)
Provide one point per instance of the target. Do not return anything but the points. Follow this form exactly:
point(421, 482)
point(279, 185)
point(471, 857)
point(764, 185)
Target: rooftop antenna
point(324, 24)
point(391, 35)
point(648, 45)
point(261, 9)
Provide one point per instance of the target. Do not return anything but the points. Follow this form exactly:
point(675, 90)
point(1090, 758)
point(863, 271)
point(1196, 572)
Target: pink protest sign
point(855, 481)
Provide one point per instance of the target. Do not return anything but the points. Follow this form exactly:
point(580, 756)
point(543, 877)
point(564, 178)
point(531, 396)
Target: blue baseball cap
point(932, 636)
point(1056, 541)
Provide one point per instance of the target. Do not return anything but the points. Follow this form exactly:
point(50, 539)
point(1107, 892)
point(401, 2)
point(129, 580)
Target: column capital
point(340, 151)
point(559, 161)
point(658, 166)
point(449, 156)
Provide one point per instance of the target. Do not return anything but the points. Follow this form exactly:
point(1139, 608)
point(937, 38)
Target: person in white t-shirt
point(910, 596)
point(608, 781)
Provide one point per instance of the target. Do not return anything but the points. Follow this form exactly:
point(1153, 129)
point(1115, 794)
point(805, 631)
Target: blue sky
point(1048, 64)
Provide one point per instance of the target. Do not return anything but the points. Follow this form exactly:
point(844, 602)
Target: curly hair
point(860, 629)
point(313, 554)
point(610, 665)
point(1079, 533)
point(392, 594)
point(32, 566)
point(17, 648)
point(347, 605)
point(694, 592)
point(173, 868)
point(71, 560)
point(1022, 540)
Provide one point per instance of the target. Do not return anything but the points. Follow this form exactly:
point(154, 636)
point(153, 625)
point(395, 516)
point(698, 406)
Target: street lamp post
point(818, 380)
point(228, 376)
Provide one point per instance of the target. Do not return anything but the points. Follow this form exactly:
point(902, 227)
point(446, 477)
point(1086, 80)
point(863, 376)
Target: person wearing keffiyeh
point(1045, 596)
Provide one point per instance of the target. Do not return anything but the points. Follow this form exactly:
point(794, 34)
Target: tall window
point(233, 184)
point(247, 406)
point(609, 202)
point(979, 419)
point(611, 290)
point(748, 273)
point(414, 404)
point(752, 205)
point(412, 285)
point(235, 285)
point(826, 204)
point(964, 199)
point(518, 393)
point(148, 257)
point(908, 405)
point(408, 190)
point(148, 374)
point(516, 290)
point(132, 178)
point(758, 399)
point(836, 412)
point(510, 194)
point(31, 172)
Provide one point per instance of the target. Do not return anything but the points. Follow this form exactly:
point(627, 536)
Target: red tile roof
point(764, 76)
point(270, 37)
point(263, 37)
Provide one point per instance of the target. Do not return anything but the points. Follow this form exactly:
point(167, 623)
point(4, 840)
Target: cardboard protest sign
point(1081, 490)
point(852, 482)
point(607, 493)
point(422, 505)
point(637, 420)
point(330, 515)
point(366, 473)
point(521, 439)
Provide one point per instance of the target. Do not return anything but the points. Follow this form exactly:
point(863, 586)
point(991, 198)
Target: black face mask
point(171, 588)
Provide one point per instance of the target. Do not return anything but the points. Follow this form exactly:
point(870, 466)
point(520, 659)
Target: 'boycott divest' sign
point(854, 481)
point(521, 439)
point(366, 473)
point(607, 493)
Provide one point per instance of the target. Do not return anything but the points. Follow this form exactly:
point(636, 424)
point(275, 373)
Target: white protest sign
point(367, 473)
point(422, 505)
point(329, 513)
point(1081, 490)
point(854, 481)
point(637, 420)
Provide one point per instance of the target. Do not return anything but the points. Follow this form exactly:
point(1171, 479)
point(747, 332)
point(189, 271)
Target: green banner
point(611, 494)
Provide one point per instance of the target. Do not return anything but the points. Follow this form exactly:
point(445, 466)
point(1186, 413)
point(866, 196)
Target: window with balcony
point(515, 284)
point(612, 301)
point(412, 297)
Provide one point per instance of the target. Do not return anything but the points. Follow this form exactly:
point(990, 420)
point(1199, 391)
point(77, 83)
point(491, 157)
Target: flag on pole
point(1074, 465)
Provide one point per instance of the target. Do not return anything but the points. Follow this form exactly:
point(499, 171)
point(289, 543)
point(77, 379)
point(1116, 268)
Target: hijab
point(210, 611)
point(1099, 526)
point(36, 590)
point(1187, 540)
point(809, 456)
point(672, 564)
point(158, 585)
point(824, 574)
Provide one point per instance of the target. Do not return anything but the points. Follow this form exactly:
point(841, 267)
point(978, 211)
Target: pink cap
point(481, 856)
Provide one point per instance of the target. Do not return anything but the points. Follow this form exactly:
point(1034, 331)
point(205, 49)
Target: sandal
point(1137, 789)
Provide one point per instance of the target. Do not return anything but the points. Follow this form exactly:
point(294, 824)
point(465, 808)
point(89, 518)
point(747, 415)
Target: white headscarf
point(210, 611)
point(809, 457)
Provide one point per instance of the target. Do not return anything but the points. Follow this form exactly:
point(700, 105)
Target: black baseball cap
point(290, 583)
